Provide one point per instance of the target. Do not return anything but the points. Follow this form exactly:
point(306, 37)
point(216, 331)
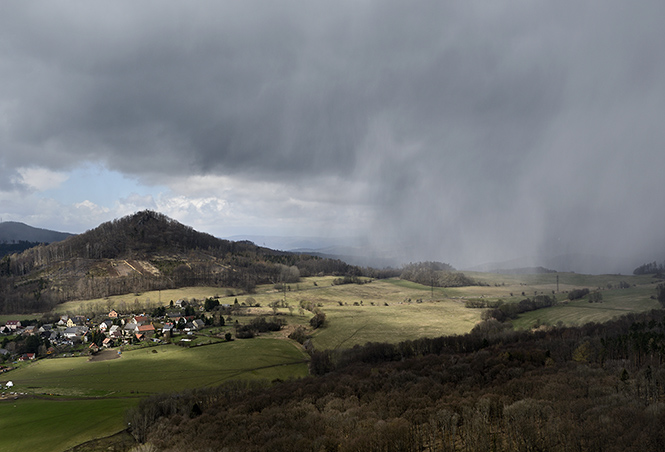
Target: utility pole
point(557, 283)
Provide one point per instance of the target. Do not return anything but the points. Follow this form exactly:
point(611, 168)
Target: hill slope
point(143, 251)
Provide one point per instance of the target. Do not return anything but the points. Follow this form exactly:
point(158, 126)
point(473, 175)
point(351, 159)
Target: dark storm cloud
point(481, 130)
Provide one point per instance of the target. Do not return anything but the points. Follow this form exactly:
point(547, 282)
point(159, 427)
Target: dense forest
point(591, 388)
point(161, 253)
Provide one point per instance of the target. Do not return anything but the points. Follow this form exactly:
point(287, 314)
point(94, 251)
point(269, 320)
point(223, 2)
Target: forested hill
point(146, 234)
point(144, 251)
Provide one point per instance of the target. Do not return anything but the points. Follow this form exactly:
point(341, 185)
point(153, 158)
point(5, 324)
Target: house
point(106, 342)
point(167, 328)
point(71, 332)
point(80, 320)
point(13, 324)
point(105, 325)
point(130, 329)
point(94, 348)
point(70, 323)
point(140, 319)
point(181, 303)
point(29, 330)
point(146, 329)
point(113, 314)
point(27, 357)
point(115, 332)
point(45, 328)
point(75, 332)
point(4, 352)
point(198, 324)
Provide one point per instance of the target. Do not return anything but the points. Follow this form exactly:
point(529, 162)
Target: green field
point(92, 396)
point(615, 303)
point(54, 425)
point(162, 369)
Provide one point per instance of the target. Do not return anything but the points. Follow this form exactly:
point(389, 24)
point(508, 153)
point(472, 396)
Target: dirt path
point(105, 355)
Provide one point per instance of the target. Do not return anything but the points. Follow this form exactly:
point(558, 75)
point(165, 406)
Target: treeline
point(16, 247)
point(435, 274)
point(506, 311)
point(597, 387)
point(651, 268)
point(259, 325)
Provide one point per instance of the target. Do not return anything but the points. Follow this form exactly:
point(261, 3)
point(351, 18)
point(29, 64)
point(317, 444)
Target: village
point(75, 335)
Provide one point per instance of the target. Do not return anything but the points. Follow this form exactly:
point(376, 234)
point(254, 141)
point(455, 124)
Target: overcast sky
point(460, 131)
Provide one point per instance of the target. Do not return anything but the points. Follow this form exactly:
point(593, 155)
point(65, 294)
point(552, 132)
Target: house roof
point(146, 328)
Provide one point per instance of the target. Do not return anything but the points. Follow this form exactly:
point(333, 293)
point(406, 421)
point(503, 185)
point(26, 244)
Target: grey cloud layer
point(480, 130)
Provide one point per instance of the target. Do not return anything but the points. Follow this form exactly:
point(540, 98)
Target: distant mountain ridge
point(17, 237)
point(576, 263)
point(14, 231)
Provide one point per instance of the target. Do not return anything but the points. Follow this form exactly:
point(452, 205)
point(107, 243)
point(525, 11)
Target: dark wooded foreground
point(597, 387)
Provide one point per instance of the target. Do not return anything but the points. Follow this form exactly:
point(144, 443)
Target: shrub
point(299, 335)
point(318, 320)
point(576, 294)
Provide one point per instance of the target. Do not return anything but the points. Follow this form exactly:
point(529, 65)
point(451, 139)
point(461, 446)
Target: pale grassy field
point(380, 311)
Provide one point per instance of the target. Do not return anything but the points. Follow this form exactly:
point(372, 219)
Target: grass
point(163, 369)
point(93, 396)
point(573, 313)
point(56, 425)
point(347, 326)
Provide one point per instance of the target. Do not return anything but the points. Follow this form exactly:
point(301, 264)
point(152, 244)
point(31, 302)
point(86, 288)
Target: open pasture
point(80, 400)
point(394, 310)
point(53, 424)
point(616, 302)
point(163, 369)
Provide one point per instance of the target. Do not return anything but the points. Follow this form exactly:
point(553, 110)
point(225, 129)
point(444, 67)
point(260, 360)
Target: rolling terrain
point(395, 365)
